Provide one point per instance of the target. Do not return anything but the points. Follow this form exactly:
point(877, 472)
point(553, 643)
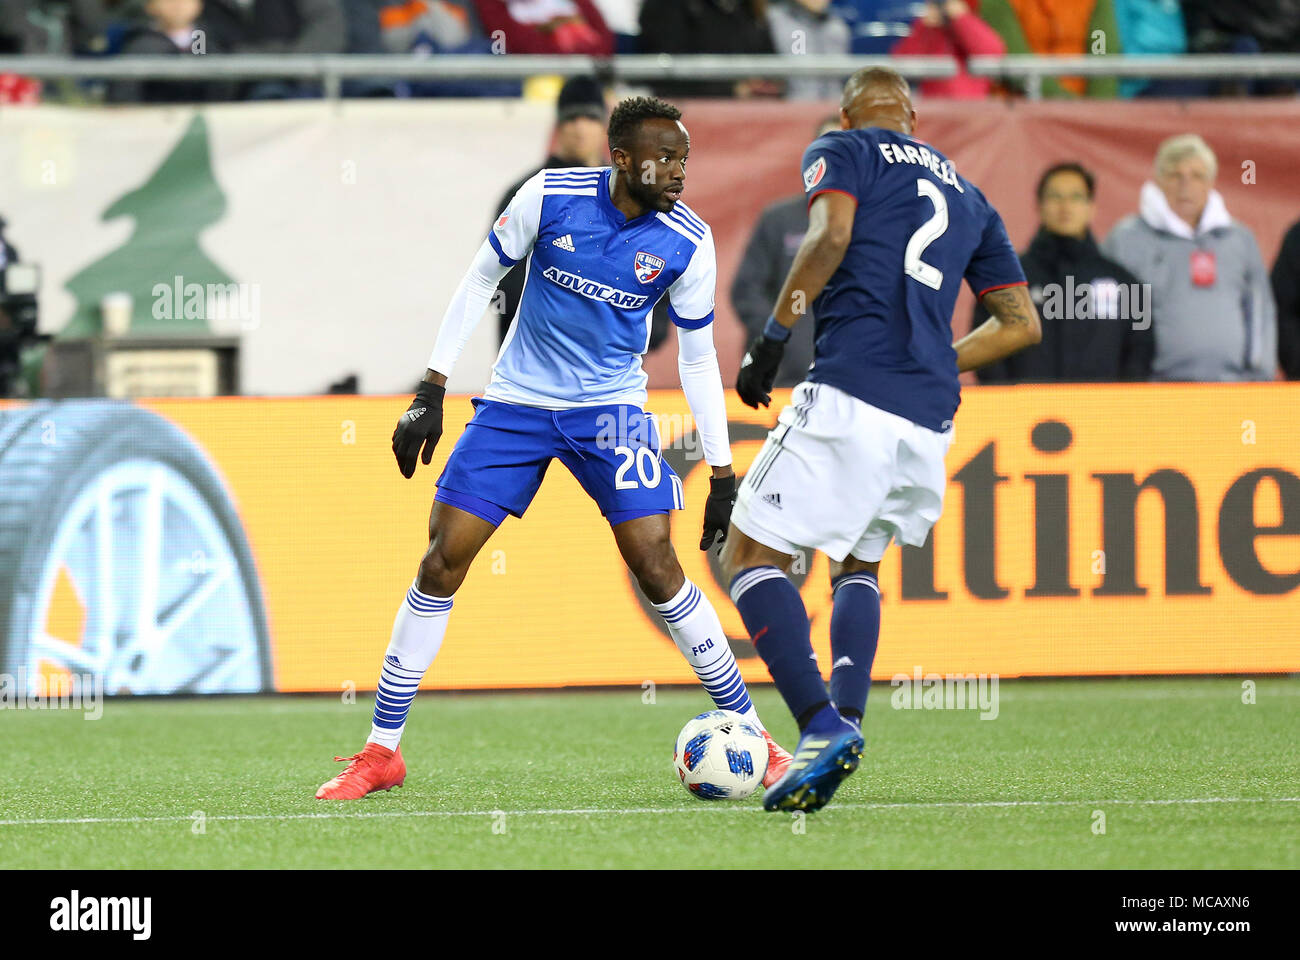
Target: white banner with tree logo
point(329, 237)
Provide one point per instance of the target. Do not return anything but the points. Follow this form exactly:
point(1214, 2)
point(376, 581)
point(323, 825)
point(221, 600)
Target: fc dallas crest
point(647, 266)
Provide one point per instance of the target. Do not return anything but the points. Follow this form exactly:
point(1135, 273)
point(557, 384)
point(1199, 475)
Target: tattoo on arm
point(1011, 305)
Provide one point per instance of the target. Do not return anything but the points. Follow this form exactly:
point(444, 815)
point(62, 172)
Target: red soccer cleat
point(374, 768)
point(778, 761)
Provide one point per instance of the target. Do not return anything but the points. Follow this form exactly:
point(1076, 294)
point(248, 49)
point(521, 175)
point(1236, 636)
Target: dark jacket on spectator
point(297, 26)
point(701, 26)
point(1271, 26)
point(39, 26)
point(506, 300)
point(1082, 350)
point(280, 26)
point(227, 24)
point(144, 40)
point(362, 20)
point(1286, 291)
point(776, 238)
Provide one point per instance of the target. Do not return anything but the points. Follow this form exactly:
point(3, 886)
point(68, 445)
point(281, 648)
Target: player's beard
point(648, 195)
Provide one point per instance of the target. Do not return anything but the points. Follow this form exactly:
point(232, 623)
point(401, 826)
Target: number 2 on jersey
point(926, 234)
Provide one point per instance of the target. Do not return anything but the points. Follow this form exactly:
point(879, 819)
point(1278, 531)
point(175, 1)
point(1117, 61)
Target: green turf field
point(1184, 772)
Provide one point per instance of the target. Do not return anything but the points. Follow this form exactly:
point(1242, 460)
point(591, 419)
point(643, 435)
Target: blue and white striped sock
point(698, 633)
point(417, 634)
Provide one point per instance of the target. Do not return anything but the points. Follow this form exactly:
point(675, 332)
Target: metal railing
point(331, 70)
point(1032, 69)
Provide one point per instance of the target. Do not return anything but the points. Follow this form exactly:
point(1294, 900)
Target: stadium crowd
point(1178, 290)
point(960, 28)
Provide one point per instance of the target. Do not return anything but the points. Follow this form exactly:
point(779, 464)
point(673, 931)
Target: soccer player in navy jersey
point(857, 459)
point(602, 246)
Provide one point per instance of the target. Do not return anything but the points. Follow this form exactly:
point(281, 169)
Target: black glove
point(421, 424)
point(717, 510)
point(758, 371)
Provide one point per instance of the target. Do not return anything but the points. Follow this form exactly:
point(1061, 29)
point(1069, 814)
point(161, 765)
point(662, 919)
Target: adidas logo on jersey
point(773, 499)
point(564, 243)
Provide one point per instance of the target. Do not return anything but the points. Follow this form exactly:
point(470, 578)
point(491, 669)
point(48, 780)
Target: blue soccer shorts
point(613, 450)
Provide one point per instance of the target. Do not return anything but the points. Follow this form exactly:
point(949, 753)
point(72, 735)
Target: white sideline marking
point(585, 812)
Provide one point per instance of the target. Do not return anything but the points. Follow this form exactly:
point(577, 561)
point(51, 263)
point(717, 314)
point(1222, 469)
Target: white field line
point(639, 811)
point(1010, 690)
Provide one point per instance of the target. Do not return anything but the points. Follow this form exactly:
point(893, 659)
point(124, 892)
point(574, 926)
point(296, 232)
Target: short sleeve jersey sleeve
point(836, 162)
point(513, 232)
point(691, 297)
point(994, 264)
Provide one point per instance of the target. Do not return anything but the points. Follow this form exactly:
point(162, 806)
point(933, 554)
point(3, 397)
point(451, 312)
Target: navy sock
point(855, 629)
point(806, 717)
point(777, 622)
point(827, 720)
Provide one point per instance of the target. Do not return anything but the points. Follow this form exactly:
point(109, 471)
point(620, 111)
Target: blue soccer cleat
point(822, 760)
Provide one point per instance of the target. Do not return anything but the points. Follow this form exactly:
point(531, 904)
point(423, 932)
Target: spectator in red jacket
point(18, 89)
point(546, 26)
point(952, 27)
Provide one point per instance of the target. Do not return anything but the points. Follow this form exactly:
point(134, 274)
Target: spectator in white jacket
point(1213, 313)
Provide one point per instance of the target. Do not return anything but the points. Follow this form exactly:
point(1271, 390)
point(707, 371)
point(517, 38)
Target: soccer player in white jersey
point(857, 460)
point(602, 245)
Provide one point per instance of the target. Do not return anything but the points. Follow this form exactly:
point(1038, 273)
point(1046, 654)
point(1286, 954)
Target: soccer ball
point(720, 756)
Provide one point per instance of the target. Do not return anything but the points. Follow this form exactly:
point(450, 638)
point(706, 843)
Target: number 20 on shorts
point(647, 468)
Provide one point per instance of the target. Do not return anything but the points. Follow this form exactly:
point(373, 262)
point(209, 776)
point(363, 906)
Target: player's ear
point(845, 122)
point(620, 158)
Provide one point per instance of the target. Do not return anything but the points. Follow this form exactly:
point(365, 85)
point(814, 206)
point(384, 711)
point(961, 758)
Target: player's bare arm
point(830, 230)
point(1012, 326)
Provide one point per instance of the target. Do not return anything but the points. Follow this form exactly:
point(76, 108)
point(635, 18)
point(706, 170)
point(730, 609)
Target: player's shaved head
point(877, 97)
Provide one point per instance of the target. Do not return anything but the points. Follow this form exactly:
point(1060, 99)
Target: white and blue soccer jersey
point(593, 277)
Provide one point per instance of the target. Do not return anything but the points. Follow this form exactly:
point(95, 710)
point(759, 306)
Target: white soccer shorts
point(841, 476)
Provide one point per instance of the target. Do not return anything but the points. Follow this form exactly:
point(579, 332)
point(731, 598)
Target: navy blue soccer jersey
point(884, 319)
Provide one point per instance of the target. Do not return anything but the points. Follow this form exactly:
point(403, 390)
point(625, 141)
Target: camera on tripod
point(19, 313)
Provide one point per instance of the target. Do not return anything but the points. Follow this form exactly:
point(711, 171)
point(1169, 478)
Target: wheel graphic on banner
point(122, 557)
